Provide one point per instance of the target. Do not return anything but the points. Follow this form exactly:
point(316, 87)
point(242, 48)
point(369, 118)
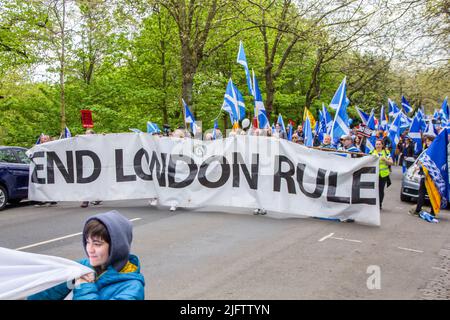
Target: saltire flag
point(308, 133)
point(242, 60)
point(260, 110)
point(405, 121)
point(153, 128)
point(289, 131)
point(364, 116)
point(393, 108)
point(67, 133)
point(382, 124)
point(322, 126)
point(328, 120)
point(436, 115)
point(430, 130)
point(370, 141)
point(394, 132)
point(340, 96)
point(406, 106)
point(340, 124)
point(435, 166)
point(445, 109)
point(135, 130)
point(415, 134)
point(281, 122)
point(38, 141)
point(230, 103)
point(189, 118)
point(241, 105)
point(307, 113)
point(216, 126)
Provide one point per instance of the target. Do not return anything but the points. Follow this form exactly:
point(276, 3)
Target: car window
point(7, 156)
point(23, 156)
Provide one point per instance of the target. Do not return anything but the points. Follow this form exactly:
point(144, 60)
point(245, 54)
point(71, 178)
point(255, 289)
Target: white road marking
point(330, 236)
point(326, 237)
point(440, 269)
point(408, 249)
point(60, 238)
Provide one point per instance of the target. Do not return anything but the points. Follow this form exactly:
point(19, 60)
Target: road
point(190, 254)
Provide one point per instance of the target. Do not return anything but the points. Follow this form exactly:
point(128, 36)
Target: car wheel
point(3, 197)
point(404, 198)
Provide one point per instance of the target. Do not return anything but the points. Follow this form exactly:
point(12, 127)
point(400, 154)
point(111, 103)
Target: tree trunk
point(61, 72)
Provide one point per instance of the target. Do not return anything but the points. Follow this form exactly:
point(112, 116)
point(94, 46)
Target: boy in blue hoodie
point(116, 273)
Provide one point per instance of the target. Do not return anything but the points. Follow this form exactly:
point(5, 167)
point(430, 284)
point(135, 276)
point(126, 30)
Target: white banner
point(23, 274)
point(242, 172)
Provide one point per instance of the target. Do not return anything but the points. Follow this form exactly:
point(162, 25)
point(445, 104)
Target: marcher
point(279, 132)
point(348, 144)
point(417, 210)
point(116, 273)
point(385, 160)
point(327, 142)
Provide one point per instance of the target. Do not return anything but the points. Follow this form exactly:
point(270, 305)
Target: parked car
point(14, 171)
point(410, 183)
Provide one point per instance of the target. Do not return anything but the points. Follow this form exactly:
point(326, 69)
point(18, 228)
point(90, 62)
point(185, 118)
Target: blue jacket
point(128, 284)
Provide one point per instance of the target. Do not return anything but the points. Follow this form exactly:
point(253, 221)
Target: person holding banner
point(115, 272)
point(385, 162)
point(85, 204)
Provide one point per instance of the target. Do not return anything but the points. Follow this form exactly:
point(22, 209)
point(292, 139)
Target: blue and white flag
point(241, 104)
point(436, 115)
point(394, 132)
point(393, 108)
point(445, 109)
point(406, 106)
point(340, 96)
point(260, 110)
point(281, 123)
point(415, 135)
point(289, 137)
point(308, 133)
point(153, 127)
point(430, 130)
point(242, 60)
point(67, 133)
point(328, 120)
point(405, 121)
point(382, 124)
point(364, 116)
point(38, 141)
point(189, 118)
point(340, 124)
point(230, 103)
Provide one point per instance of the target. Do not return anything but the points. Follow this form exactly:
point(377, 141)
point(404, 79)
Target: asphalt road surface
point(190, 254)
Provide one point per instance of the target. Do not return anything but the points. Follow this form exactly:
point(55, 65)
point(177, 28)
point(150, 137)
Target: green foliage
point(127, 70)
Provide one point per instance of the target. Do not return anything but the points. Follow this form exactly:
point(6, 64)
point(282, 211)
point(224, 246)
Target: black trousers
point(421, 198)
point(381, 183)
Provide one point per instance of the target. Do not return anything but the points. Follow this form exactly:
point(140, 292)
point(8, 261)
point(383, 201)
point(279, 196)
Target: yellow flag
point(236, 125)
point(433, 193)
point(311, 117)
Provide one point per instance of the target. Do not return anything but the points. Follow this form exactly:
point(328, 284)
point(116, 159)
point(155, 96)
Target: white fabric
point(122, 148)
point(23, 274)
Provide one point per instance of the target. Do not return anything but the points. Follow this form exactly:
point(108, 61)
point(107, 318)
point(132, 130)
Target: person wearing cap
point(348, 145)
point(385, 161)
point(115, 272)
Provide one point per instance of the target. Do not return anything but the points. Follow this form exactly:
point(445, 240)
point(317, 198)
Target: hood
point(120, 232)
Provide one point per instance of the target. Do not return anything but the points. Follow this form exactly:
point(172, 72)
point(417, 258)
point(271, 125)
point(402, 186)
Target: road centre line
point(412, 250)
point(60, 238)
point(326, 237)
